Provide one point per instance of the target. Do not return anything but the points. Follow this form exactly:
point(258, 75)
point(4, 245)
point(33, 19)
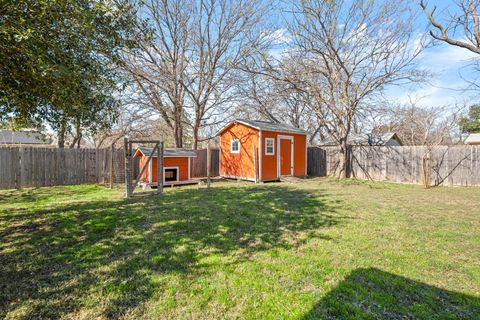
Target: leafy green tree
point(58, 59)
point(471, 122)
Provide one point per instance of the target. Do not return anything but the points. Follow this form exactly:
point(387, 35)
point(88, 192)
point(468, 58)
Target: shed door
point(286, 164)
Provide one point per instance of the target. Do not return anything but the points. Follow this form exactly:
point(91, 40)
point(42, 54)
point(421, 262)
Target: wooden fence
point(38, 167)
point(444, 165)
point(316, 162)
point(198, 165)
point(22, 167)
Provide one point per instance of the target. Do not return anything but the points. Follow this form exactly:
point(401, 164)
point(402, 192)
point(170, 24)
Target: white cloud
point(278, 37)
point(431, 96)
point(449, 65)
point(446, 57)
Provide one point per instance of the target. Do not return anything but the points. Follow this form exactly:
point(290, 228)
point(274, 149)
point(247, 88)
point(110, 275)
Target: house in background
point(384, 139)
point(31, 138)
point(280, 150)
point(473, 139)
point(176, 166)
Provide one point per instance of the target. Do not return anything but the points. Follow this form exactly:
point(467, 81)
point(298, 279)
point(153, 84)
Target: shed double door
point(286, 156)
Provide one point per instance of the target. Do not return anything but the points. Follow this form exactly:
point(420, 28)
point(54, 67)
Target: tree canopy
point(58, 58)
point(471, 122)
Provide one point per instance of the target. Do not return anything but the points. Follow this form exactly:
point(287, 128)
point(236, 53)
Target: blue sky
point(448, 64)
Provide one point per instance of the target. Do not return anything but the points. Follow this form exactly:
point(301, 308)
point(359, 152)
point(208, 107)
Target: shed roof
point(266, 126)
point(366, 139)
point(172, 152)
point(23, 137)
point(473, 138)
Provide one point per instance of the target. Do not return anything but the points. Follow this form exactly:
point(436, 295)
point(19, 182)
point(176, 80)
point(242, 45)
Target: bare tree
point(158, 67)
point(423, 126)
point(136, 119)
point(420, 126)
point(187, 63)
point(224, 34)
point(277, 100)
point(350, 52)
point(461, 28)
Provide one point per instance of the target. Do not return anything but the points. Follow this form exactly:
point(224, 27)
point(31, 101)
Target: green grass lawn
point(320, 249)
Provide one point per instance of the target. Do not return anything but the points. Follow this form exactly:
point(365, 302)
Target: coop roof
point(167, 152)
point(266, 126)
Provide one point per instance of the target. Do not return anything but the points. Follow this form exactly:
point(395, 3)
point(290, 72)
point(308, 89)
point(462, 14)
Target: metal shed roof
point(172, 152)
point(22, 137)
point(473, 138)
point(365, 140)
point(267, 126)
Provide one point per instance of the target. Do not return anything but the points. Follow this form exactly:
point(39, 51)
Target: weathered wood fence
point(443, 165)
point(38, 167)
point(198, 165)
point(22, 167)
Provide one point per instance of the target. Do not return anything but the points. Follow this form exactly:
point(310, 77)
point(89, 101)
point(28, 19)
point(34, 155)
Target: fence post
point(128, 176)
point(112, 166)
point(209, 160)
point(255, 163)
point(427, 169)
point(160, 168)
point(18, 170)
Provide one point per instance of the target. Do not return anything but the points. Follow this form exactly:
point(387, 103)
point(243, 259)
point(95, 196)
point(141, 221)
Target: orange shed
point(176, 165)
point(281, 150)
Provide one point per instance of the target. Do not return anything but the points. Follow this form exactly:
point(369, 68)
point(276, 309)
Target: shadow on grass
point(375, 294)
point(113, 250)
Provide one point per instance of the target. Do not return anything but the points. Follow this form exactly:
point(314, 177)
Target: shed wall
point(180, 162)
point(269, 162)
point(241, 164)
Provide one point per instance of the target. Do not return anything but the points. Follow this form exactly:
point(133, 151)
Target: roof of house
point(172, 152)
point(23, 137)
point(367, 139)
point(473, 138)
point(266, 126)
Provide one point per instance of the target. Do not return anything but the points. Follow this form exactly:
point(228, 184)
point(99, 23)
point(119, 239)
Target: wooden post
point(160, 168)
point(112, 168)
point(144, 168)
point(255, 163)
point(130, 154)
point(427, 169)
point(128, 177)
point(209, 160)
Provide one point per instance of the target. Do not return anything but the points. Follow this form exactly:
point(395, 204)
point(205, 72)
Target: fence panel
point(37, 167)
point(450, 165)
point(316, 162)
point(198, 165)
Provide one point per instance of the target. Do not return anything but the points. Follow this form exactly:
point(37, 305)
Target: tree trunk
point(196, 128)
point(78, 134)
point(74, 142)
point(344, 167)
point(61, 133)
point(79, 140)
point(427, 170)
point(178, 134)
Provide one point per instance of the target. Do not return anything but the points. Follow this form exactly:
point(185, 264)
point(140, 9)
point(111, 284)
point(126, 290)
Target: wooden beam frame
point(129, 156)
